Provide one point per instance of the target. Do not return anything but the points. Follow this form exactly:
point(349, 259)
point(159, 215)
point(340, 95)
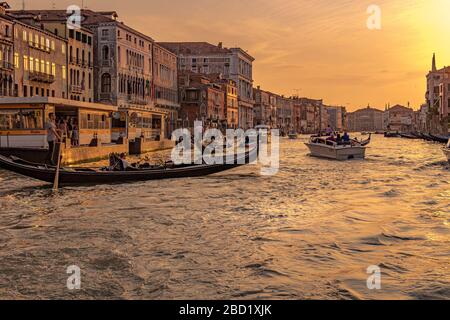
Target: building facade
point(400, 118)
point(123, 76)
point(39, 62)
point(438, 98)
point(232, 63)
point(6, 53)
point(336, 115)
point(367, 119)
point(262, 110)
point(165, 82)
point(201, 100)
point(79, 51)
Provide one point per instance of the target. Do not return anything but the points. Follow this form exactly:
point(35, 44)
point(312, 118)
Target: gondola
point(426, 137)
point(79, 176)
point(391, 135)
point(408, 136)
point(438, 138)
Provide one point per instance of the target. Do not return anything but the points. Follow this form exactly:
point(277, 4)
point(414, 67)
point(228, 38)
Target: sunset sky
point(319, 49)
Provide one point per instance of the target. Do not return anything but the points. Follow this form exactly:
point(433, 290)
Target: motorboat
point(323, 147)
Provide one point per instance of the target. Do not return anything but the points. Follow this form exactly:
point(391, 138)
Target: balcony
point(41, 77)
point(6, 36)
point(76, 89)
point(4, 65)
point(80, 62)
point(36, 45)
point(136, 99)
point(106, 96)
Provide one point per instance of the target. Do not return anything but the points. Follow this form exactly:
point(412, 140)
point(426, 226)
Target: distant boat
point(293, 135)
point(323, 148)
point(391, 134)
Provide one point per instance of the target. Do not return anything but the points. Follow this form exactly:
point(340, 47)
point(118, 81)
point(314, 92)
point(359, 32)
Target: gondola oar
point(58, 165)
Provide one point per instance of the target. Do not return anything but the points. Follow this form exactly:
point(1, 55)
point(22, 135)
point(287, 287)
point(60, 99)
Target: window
point(89, 40)
point(31, 64)
point(63, 48)
point(47, 44)
point(106, 83)
point(25, 63)
point(37, 65)
point(53, 45)
point(78, 36)
point(48, 67)
point(25, 35)
point(42, 66)
point(71, 33)
point(42, 42)
point(105, 53)
point(36, 40)
point(54, 69)
point(84, 38)
point(16, 60)
point(64, 72)
point(105, 33)
point(21, 119)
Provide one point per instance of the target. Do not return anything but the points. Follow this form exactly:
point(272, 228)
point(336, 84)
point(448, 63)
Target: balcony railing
point(105, 96)
point(136, 99)
point(6, 36)
point(41, 77)
point(81, 62)
point(106, 63)
point(6, 65)
point(36, 45)
point(76, 88)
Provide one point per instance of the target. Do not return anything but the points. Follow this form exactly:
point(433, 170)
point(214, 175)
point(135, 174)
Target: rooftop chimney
point(220, 45)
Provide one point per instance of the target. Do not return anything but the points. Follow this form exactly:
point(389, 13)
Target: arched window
point(106, 83)
point(105, 53)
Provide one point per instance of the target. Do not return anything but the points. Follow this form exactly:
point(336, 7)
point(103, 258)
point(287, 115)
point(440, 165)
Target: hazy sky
point(320, 49)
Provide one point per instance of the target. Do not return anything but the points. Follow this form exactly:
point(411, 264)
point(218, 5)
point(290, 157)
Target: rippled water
point(309, 232)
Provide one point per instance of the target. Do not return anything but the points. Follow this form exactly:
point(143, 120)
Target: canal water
point(309, 232)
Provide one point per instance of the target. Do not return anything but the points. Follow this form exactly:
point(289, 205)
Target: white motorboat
point(325, 148)
point(447, 151)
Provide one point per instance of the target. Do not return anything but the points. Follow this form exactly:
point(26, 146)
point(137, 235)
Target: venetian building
point(166, 85)
point(232, 63)
point(123, 76)
point(39, 62)
point(438, 98)
point(6, 53)
point(79, 51)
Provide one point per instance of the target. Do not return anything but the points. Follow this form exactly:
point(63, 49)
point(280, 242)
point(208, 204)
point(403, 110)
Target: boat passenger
point(329, 131)
point(124, 164)
point(346, 137)
point(338, 139)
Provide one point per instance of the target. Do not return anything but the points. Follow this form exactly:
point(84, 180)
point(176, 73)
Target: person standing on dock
point(52, 137)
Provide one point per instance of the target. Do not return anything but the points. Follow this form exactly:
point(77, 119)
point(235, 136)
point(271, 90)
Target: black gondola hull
point(111, 177)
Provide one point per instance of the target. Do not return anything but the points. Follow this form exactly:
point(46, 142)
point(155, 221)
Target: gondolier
point(52, 137)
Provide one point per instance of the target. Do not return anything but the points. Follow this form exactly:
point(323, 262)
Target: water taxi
point(324, 148)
